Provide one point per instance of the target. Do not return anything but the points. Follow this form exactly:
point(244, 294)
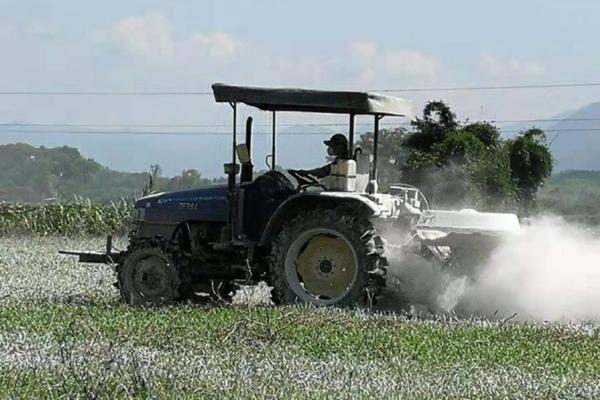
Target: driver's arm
point(319, 173)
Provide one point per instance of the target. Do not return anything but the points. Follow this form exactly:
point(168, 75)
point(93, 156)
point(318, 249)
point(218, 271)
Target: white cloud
point(363, 58)
point(147, 36)
point(218, 44)
point(412, 64)
point(505, 68)
point(372, 66)
point(363, 51)
point(150, 38)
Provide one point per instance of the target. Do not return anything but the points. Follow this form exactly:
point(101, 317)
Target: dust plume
point(550, 272)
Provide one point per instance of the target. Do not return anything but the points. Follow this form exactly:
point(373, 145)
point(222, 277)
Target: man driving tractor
point(337, 146)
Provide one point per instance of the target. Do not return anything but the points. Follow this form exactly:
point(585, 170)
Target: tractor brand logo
point(189, 200)
point(188, 205)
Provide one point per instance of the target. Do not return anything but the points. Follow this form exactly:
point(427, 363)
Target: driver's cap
point(337, 139)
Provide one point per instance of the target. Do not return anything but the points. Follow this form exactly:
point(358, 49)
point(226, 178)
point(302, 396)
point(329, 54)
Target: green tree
point(188, 179)
point(460, 147)
point(487, 133)
point(530, 164)
point(437, 122)
point(491, 175)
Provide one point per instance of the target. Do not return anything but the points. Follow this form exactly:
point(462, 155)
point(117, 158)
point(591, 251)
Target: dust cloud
point(551, 272)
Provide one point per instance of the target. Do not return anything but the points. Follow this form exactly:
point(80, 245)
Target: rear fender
point(307, 201)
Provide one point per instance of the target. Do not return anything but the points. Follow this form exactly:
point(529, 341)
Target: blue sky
point(187, 45)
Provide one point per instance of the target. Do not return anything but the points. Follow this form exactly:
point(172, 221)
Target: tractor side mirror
point(242, 153)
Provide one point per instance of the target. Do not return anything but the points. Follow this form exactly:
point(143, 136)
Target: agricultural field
point(63, 334)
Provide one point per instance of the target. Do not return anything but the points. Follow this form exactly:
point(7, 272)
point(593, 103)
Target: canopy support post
point(231, 171)
point(377, 118)
point(234, 106)
point(351, 136)
point(274, 144)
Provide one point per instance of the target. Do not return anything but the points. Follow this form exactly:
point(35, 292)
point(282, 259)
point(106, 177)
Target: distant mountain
point(33, 174)
point(298, 146)
point(132, 153)
point(577, 149)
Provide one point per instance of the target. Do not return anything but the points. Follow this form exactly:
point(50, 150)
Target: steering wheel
point(305, 180)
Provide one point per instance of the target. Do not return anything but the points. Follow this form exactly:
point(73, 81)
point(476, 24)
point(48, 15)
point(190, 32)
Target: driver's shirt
point(320, 172)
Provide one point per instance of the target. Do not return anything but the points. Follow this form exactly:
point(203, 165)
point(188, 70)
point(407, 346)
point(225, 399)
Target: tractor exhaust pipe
point(247, 168)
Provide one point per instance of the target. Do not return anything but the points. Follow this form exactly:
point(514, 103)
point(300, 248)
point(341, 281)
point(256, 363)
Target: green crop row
point(79, 216)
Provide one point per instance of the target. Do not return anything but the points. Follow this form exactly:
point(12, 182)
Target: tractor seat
point(363, 170)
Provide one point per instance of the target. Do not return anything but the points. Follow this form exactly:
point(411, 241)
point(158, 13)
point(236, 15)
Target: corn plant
point(79, 216)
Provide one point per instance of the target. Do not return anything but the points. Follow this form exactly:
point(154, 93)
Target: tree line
point(35, 174)
point(464, 164)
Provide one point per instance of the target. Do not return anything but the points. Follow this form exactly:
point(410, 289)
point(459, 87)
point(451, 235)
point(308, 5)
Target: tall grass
point(79, 216)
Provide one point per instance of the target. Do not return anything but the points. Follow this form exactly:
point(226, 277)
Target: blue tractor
point(315, 241)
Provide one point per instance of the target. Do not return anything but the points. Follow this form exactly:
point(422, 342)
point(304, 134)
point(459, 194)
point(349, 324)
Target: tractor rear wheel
point(148, 275)
point(327, 258)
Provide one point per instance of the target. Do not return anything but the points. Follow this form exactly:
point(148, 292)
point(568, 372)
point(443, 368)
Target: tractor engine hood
point(465, 228)
point(206, 204)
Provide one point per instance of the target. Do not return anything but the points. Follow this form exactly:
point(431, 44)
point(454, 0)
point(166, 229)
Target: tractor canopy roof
point(308, 100)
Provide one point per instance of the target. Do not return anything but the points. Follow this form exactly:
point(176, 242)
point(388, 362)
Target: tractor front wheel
point(148, 275)
point(327, 258)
